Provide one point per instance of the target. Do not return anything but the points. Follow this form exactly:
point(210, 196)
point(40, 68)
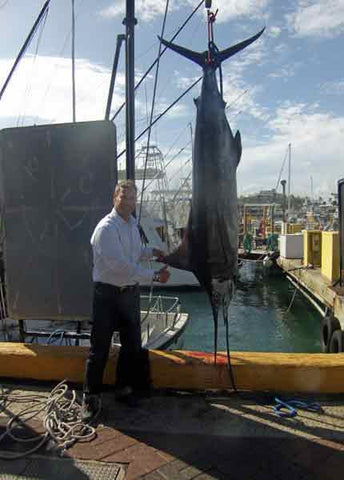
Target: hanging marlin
point(210, 245)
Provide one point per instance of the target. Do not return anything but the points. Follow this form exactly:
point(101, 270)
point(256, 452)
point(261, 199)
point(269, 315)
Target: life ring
point(337, 342)
point(328, 325)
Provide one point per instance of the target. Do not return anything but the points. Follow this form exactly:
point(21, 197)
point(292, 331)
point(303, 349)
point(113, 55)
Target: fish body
point(210, 245)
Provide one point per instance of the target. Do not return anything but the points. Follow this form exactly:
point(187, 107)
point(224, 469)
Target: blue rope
point(288, 408)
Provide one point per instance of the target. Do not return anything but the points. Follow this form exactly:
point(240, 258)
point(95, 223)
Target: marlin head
point(217, 56)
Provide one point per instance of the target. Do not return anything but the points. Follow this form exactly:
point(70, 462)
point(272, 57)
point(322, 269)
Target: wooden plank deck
point(316, 284)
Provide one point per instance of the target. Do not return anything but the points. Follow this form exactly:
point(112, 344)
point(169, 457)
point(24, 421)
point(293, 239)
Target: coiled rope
point(61, 419)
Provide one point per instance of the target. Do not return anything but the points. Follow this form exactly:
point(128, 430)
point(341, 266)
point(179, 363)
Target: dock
point(187, 436)
point(322, 293)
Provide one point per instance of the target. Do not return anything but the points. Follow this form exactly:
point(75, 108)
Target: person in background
point(117, 251)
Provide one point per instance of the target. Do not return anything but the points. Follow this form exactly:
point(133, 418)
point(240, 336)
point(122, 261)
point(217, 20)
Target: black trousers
point(116, 309)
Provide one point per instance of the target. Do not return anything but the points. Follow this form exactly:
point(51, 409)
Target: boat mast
point(289, 168)
point(130, 22)
point(73, 60)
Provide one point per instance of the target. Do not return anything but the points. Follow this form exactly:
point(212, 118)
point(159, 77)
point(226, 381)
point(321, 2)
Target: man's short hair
point(124, 185)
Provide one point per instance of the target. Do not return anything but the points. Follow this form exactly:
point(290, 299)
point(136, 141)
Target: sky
point(286, 88)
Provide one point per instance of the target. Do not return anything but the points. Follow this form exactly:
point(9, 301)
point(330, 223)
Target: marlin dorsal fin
point(238, 146)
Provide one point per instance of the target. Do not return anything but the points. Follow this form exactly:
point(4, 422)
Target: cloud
point(147, 10)
point(274, 31)
point(238, 8)
point(316, 138)
point(324, 18)
point(333, 88)
point(285, 72)
point(40, 91)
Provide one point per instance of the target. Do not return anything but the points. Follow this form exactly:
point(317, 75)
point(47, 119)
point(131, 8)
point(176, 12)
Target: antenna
point(311, 187)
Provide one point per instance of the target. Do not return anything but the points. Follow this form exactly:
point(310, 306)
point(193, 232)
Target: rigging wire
point(175, 141)
point(282, 168)
point(163, 113)
point(4, 4)
point(236, 99)
point(66, 40)
point(166, 165)
point(161, 53)
point(25, 46)
point(27, 92)
point(152, 110)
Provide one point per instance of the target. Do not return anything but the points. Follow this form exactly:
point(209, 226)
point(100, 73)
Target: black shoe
point(143, 393)
point(130, 400)
point(123, 392)
point(90, 408)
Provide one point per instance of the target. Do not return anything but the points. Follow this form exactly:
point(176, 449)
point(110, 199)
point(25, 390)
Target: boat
point(153, 229)
point(46, 246)
point(161, 214)
point(162, 323)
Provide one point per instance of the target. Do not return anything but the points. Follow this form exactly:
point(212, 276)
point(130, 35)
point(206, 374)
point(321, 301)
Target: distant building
point(264, 196)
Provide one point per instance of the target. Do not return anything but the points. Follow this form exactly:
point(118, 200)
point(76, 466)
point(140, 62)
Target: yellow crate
point(295, 227)
point(312, 247)
point(330, 255)
point(291, 228)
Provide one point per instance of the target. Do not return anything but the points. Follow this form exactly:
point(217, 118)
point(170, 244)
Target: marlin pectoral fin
point(238, 146)
point(229, 52)
point(178, 258)
point(196, 57)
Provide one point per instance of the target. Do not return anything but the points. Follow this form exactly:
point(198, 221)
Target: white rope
point(61, 421)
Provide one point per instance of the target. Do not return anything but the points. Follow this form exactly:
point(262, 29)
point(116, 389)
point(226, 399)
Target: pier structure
point(318, 289)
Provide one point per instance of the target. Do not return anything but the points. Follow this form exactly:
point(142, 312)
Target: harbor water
point(265, 316)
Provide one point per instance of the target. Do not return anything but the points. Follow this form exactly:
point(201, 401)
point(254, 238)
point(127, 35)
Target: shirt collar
point(113, 214)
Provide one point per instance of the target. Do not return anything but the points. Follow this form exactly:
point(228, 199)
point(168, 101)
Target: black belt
point(117, 289)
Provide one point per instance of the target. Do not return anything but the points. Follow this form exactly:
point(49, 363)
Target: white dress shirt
point(117, 252)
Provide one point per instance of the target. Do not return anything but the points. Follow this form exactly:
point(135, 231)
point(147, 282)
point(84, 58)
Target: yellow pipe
point(254, 371)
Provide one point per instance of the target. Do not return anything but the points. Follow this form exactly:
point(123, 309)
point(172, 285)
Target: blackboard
point(56, 184)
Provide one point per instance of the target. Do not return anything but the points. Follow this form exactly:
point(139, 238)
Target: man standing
point(117, 272)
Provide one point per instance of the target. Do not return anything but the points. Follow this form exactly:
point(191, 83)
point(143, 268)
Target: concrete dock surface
point(181, 435)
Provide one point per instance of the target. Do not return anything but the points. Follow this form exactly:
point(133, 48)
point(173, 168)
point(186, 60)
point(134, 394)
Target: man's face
point(125, 201)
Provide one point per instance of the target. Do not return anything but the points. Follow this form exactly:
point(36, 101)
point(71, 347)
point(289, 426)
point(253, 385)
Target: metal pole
point(24, 47)
point(73, 60)
point(283, 183)
point(341, 229)
point(130, 22)
point(120, 39)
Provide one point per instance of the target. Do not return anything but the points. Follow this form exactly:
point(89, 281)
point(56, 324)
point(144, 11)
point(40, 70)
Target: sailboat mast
point(73, 60)
point(289, 176)
point(130, 22)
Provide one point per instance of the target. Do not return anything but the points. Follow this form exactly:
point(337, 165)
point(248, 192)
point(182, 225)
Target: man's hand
point(162, 275)
point(159, 254)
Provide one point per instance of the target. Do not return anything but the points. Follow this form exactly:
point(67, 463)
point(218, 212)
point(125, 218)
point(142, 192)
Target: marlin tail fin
point(202, 58)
